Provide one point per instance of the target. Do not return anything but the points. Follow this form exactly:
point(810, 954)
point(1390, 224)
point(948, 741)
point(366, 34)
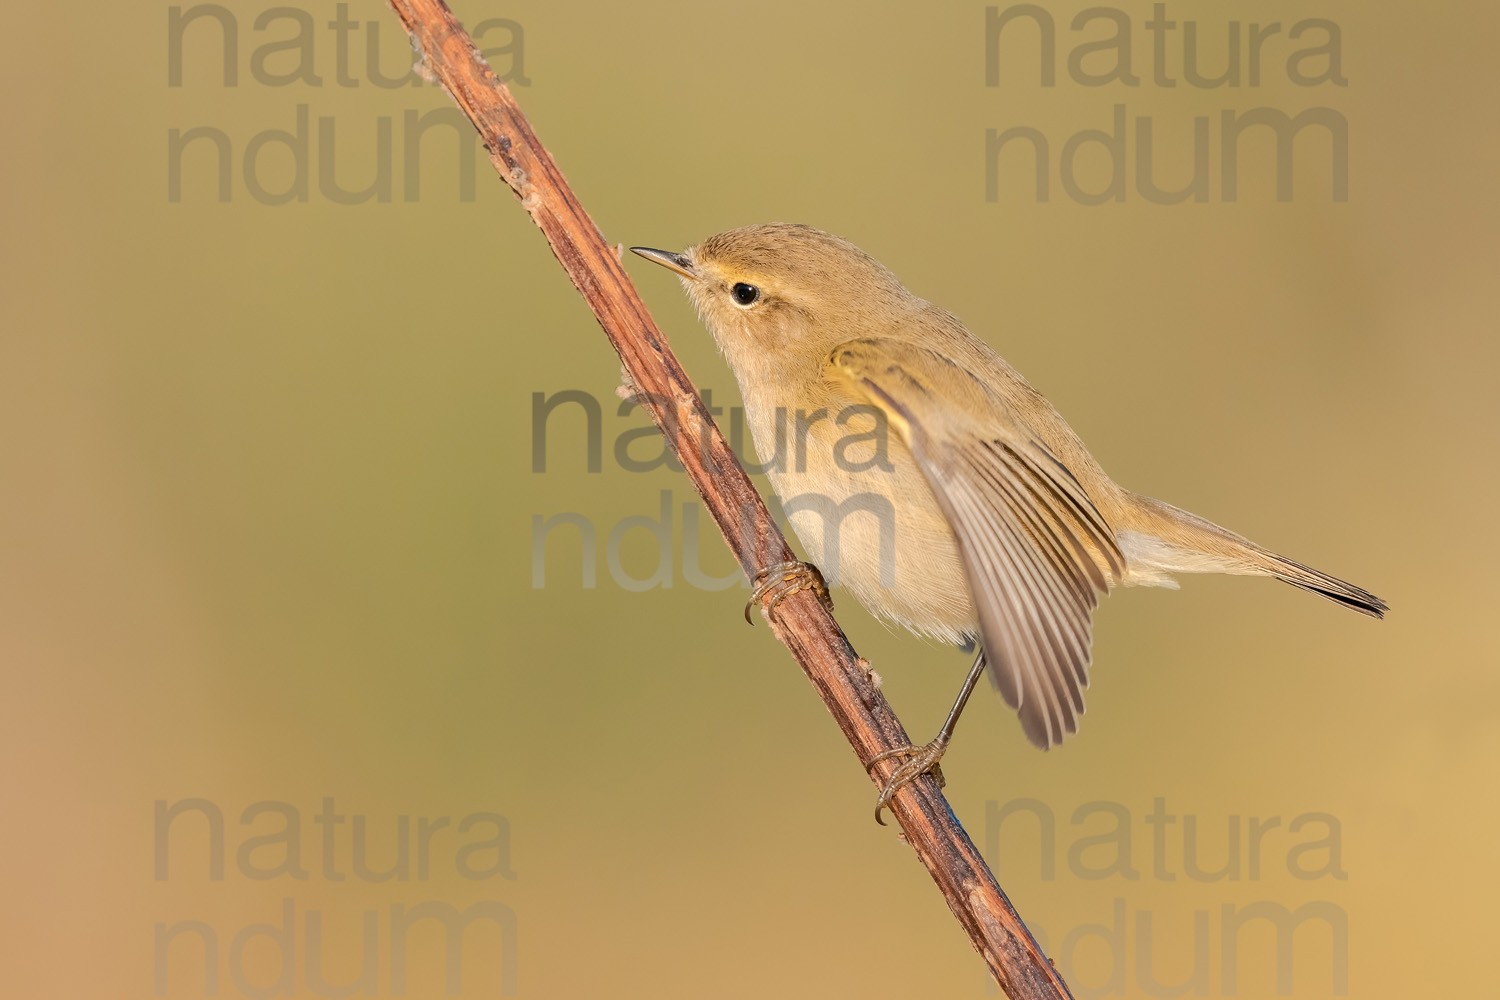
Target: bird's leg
point(925, 759)
point(775, 584)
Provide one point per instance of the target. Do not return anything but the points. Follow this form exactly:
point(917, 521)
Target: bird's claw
point(924, 760)
point(775, 584)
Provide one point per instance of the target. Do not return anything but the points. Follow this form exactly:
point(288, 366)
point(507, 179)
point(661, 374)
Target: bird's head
point(779, 294)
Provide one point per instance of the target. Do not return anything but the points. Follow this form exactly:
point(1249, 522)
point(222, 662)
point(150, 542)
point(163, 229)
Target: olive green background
point(266, 502)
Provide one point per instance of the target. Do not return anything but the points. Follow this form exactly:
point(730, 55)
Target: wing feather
point(1037, 552)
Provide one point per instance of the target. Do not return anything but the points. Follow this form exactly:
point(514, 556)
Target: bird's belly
point(879, 533)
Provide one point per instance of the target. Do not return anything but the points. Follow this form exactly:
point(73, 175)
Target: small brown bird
point(983, 517)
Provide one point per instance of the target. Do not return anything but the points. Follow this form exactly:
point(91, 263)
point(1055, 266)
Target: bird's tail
point(1159, 539)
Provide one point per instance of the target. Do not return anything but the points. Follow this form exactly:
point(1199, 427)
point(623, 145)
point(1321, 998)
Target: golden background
point(266, 514)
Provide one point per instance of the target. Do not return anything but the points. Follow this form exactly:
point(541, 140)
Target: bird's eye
point(745, 294)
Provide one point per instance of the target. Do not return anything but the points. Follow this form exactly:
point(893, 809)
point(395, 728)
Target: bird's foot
point(924, 760)
point(775, 584)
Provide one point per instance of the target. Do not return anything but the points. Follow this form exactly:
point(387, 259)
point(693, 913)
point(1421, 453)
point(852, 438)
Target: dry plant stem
point(801, 622)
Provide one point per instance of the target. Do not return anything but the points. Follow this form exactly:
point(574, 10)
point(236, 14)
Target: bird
point(925, 476)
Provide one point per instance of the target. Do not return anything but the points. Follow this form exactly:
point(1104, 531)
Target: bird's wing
point(1036, 550)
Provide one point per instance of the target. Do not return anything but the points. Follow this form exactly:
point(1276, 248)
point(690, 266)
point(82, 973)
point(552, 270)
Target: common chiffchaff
point(987, 519)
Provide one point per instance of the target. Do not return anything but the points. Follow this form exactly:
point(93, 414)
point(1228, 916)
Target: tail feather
point(1163, 539)
point(1327, 586)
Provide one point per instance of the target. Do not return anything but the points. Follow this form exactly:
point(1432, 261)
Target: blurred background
point(269, 602)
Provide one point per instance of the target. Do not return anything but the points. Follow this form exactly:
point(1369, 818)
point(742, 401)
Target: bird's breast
point(864, 512)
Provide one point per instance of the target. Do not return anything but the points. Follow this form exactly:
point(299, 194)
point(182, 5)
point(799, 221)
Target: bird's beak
point(673, 261)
